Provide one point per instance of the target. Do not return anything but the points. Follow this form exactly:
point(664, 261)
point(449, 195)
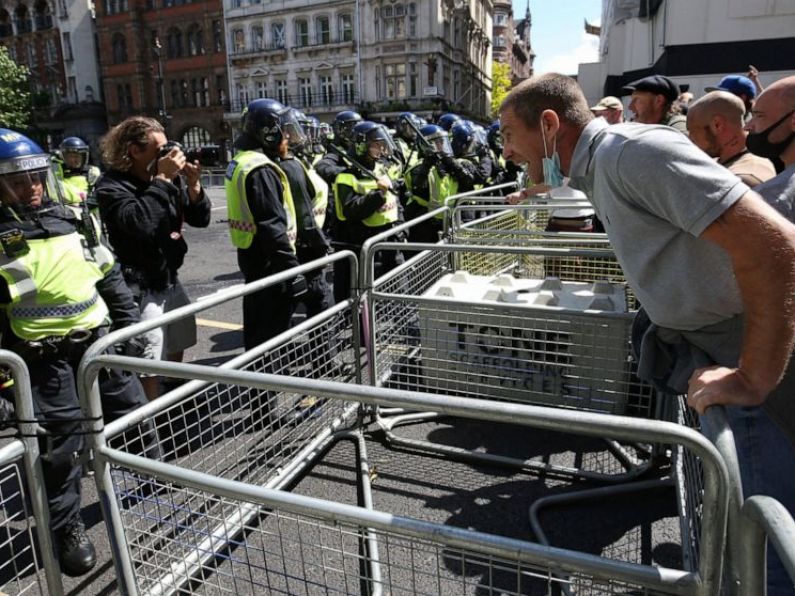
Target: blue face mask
point(553, 177)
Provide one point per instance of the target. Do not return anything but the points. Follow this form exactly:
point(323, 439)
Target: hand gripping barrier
point(19, 563)
point(269, 540)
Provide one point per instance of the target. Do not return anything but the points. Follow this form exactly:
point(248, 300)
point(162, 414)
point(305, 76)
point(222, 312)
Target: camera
point(165, 149)
point(206, 155)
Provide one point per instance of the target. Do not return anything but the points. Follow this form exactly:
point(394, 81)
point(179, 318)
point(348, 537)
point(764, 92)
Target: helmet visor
point(380, 144)
point(75, 159)
point(30, 186)
point(440, 143)
point(292, 130)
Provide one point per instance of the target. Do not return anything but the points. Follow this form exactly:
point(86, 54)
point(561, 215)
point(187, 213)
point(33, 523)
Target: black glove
point(135, 347)
point(448, 161)
point(298, 286)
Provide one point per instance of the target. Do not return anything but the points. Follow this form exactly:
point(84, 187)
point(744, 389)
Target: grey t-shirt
point(780, 192)
point(655, 193)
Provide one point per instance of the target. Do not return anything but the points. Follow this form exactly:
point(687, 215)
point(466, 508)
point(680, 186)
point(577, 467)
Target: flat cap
point(658, 84)
point(608, 103)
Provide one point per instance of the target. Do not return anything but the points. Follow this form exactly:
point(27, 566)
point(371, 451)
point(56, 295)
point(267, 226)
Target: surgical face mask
point(553, 177)
point(759, 143)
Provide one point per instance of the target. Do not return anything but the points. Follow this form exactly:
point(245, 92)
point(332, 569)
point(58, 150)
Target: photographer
point(149, 192)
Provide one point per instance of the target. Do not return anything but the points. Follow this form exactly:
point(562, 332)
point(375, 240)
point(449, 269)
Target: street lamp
point(161, 98)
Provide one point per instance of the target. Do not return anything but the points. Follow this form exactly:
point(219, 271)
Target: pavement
point(643, 527)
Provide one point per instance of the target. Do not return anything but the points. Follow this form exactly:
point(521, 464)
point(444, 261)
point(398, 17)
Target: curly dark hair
point(115, 145)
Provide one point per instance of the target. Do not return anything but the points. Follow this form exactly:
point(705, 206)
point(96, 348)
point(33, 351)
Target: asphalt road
point(642, 526)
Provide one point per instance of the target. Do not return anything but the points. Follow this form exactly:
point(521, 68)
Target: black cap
point(655, 84)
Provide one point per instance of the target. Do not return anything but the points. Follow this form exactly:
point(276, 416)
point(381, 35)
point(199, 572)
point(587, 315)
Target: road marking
point(217, 208)
point(219, 324)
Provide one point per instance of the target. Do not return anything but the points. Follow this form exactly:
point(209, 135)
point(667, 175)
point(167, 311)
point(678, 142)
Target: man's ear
point(550, 122)
point(717, 124)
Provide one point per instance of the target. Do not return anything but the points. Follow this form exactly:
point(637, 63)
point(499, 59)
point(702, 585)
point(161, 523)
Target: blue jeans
point(767, 467)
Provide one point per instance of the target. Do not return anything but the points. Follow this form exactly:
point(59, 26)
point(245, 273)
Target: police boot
point(75, 551)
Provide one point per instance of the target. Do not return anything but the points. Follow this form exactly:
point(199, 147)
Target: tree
point(500, 85)
point(15, 106)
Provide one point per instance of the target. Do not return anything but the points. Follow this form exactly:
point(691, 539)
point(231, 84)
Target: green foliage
point(15, 100)
point(500, 85)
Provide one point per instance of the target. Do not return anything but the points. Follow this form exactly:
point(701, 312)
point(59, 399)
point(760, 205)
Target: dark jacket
point(312, 242)
point(60, 222)
point(144, 221)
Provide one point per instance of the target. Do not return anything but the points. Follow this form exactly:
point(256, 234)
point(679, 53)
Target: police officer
point(59, 290)
point(504, 170)
point(76, 169)
point(332, 163)
point(406, 131)
point(262, 220)
point(310, 199)
point(469, 145)
point(437, 177)
point(365, 200)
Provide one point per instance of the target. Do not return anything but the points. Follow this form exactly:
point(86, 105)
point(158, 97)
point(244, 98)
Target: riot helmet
point(324, 131)
point(74, 153)
point(371, 141)
point(27, 181)
point(463, 139)
point(407, 126)
point(343, 126)
point(262, 120)
point(446, 121)
point(292, 124)
point(438, 141)
point(494, 138)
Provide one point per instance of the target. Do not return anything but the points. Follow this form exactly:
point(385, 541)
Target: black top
point(60, 221)
point(312, 242)
point(144, 222)
point(329, 166)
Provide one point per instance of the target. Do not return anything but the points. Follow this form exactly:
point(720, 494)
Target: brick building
point(511, 40)
point(167, 59)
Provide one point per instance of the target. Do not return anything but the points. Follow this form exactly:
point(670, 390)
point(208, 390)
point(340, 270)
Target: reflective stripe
point(54, 310)
point(22, 283)
point(243, 226)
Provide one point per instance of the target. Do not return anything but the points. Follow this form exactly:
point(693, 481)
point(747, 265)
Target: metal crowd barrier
point(232, 432)
point(213, 177)
point(559, 357)
point(274, 541)
point(765, 523)
point(23, 500)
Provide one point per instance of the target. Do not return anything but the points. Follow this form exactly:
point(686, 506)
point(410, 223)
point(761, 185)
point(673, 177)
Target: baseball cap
point(608, 103)
point(736, 85)
point(655, 84)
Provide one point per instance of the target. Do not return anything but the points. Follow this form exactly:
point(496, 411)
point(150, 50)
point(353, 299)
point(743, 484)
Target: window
point(43, 17)
point(184, 94)
point(457, 85)
point(412, 19)
point(241, 91)
point(195, 40)
point(345, 28)
point(322, 30)
point(387, 15)
point(220, 88)
point(499, 41)
point(456, 32)
point(174, 94)
point(413, 79)
point(115, 6)
point(393, 21)
point(196, 136)
point(174, 43)
point(301, 32)
point(196, 93)
point(71, 86)
point(124, 94)
point(377, 24)
point(51, 51)
point(32, 60)
point(348, 95)
point(238, 41)
point(305, 92)
point(326, 91)
point(277, 35)
point(261, 89)
point(281, 91)
point(67, 47)
point(395, 79)
point(500, 19)
point(119, 44)
point(89, 93)
point(6, 28)
point(257, 38)
point(218, 37)
point(22, 18)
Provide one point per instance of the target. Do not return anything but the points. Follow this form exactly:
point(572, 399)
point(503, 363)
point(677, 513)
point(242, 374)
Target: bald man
point(715, 124)
point(771, 134)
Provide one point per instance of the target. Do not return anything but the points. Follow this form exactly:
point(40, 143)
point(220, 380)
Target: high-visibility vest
point(71, 193)
point(439, 188)
point(388, 213)
point(53, 287)
point(320, 199)
point(83, 182)
point(242, 226)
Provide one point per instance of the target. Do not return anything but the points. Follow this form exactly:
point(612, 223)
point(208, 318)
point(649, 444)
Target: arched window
point(119, 43)
point(22, 19)
point(196, 136)
point(174, 43)
point(43, 15)
point(6, 29)
point(195, 40)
